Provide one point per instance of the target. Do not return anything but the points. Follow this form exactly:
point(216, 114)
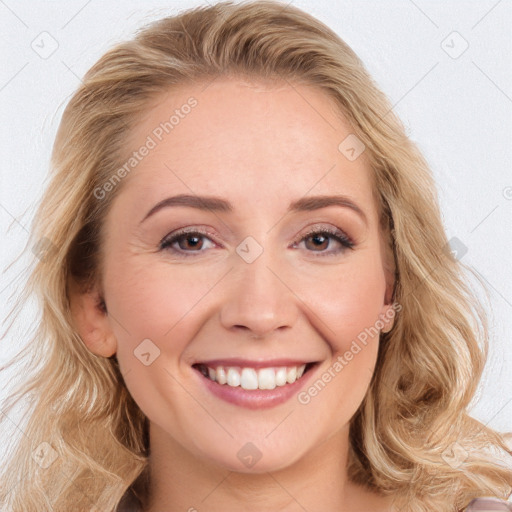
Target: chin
point(254, 457)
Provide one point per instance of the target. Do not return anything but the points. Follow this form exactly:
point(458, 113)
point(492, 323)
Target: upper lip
point(246, 363)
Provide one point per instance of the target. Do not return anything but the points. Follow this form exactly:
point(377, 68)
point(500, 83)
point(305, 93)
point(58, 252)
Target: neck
point(182, 482)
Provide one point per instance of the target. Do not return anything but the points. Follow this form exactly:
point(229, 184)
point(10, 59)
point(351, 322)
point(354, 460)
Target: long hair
point(85, 441)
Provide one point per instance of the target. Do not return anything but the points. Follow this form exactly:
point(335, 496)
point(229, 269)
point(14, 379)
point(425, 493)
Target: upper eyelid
point(313, 228)
point(332, 230)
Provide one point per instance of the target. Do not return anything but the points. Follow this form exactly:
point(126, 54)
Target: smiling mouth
point(249, 378)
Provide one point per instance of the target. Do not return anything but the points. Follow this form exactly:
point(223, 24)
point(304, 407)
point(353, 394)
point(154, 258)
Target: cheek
point(348, 302)
point(149, 300)
point(348, 307)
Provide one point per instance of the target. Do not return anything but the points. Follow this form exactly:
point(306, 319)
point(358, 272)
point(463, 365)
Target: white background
point(459, 111)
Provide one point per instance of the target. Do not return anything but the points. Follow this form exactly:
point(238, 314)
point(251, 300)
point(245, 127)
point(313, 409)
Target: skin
point(260, 146)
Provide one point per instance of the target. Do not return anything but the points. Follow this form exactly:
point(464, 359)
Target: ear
point(389, 310)
point(90, 318)
point(390, 307)
point(387, 316)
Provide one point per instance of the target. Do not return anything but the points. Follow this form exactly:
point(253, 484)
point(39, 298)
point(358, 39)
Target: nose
point(259, 299)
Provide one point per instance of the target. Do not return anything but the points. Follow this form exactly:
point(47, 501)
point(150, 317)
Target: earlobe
point(91, 321)
point(387, 317)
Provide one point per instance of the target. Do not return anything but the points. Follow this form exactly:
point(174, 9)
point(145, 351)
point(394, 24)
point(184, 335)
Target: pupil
point(195, 240)
point(316, 238)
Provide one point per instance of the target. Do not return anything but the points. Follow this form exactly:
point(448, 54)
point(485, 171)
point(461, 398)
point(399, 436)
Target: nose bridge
point(257, 299)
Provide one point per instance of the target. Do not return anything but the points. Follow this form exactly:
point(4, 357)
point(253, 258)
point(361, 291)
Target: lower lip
point(257, 398)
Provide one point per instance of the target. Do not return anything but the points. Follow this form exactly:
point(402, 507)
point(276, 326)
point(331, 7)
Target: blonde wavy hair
point(429, 364)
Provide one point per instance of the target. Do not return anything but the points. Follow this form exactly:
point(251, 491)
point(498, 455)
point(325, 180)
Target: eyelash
point(335, 234)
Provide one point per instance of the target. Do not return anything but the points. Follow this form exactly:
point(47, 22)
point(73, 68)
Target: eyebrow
point(217, 204)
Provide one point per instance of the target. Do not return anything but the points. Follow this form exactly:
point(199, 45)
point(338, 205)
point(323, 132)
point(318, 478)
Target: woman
point(248, 297)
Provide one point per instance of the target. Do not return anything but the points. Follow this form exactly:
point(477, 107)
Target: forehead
point(248, 141)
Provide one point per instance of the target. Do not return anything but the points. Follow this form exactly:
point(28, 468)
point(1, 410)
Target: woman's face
point(257, 284)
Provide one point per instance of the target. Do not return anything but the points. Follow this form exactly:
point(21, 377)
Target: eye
point(187, 240)
point(321, 239)
point(190, 241)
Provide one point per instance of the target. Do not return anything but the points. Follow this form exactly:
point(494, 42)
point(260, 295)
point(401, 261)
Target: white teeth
point(291, 375)
point(221, 375)
point(250, 378)
point(233, 377)
point(281, 377)
point(267, 378)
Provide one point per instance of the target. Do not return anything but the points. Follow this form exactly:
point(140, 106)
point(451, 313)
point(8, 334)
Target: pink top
point(489, 505)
